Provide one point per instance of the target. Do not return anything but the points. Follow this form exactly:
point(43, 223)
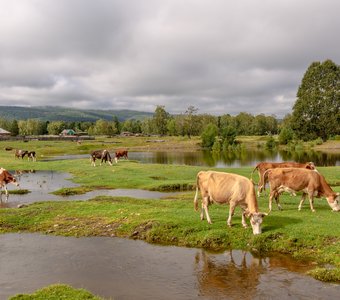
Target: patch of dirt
point(141, 230)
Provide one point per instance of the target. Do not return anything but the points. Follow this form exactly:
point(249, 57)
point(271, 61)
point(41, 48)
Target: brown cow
point(309, 182)
point(121, 153)
point(233, 189)
point(6, 178)
point(20, 153)
point(264, 166)
point(104, 155)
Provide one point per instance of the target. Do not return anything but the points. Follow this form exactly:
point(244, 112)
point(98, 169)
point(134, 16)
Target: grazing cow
point(220, 187)
point(20, 153)
point(309, 182)
point(31, 155)
point(121, 153)
point(103, 155)
point(6, 178)
point(264, 166)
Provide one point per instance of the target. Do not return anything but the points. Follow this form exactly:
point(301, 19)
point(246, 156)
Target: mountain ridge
point(58, 113)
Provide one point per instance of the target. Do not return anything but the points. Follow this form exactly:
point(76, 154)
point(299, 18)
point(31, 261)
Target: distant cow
point(6, 178)
point(20, 153)
point(121, 153)
point(232, 189)
point(309, 182)
point(263, 166)
point(31, 155)
point(103, 155)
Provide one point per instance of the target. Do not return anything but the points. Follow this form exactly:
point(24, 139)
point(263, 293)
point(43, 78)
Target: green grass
point(57, 292)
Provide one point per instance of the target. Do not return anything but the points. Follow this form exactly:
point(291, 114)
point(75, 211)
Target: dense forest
point(315, 115)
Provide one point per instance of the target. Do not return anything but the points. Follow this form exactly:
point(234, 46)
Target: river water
point(42, 183)
point(122, 269)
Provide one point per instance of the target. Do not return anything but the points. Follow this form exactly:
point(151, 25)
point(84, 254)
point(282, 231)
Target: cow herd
point(232, 189)
point(105, 156)
point(237, 190)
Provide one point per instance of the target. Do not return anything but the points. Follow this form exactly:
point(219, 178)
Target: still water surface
point(42, 183)
point(126, 269)
point(243, 158)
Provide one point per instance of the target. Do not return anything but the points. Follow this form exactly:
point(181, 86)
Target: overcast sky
point(221, 56)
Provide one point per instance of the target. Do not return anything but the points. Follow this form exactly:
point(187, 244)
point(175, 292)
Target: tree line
point(189, 124)
point(315, 114)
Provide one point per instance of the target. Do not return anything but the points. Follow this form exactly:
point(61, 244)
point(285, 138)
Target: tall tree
point(190, 126)
point(316, 112)
point(160, 119)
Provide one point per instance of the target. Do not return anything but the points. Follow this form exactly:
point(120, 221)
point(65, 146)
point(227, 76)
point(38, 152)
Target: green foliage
point(160, 119)
point(208, 135)
point(286, 135)
point(316, 112)
point(56, 127)
point(228, 134)
point(216, 146)
point(271, 143)
point(57, 292)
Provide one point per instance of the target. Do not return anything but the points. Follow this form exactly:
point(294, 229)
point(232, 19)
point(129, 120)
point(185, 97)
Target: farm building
point(68, 132)
point(4, 132)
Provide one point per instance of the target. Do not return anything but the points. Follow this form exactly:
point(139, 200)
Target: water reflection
point(240, 158)
point(127, 269)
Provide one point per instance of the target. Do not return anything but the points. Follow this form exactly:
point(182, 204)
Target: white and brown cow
point(6, 178)
point(20, 153)
point(310, 182)
point(31, 155)
point(264, 166)
point(103, 155)
point(232, 189)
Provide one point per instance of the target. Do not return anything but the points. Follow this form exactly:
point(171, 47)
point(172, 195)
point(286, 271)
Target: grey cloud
point(220, 56)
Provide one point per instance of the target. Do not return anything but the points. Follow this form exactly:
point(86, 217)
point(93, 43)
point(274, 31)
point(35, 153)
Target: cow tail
point(265, 177)
point(196, 195)
point(251, 176)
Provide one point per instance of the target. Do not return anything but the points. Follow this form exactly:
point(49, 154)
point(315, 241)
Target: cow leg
point(244, 223)
point(205, 204)
point(231, 213)
point(259, 189)
point(277, 200)
point(311, 201)
point(271, 196)
point(303, 197)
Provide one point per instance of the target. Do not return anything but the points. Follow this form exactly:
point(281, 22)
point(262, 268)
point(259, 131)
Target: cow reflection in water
point(235, 275)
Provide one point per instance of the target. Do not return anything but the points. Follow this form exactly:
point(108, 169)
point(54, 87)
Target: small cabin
point(4, 132)
point(67, 132)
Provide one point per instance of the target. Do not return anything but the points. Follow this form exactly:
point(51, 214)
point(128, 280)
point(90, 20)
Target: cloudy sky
point(221, 56)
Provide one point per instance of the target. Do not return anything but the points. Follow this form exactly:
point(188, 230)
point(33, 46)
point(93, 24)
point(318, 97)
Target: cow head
point(333, 201)
point(310, 166)
point(256, 221)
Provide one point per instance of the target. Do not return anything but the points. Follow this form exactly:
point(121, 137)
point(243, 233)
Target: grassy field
point(173, 221)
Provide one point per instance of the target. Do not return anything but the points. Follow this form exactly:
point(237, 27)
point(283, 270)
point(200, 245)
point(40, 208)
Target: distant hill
point(58, 113)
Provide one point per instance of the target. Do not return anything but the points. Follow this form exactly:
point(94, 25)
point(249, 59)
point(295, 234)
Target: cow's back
point(227, 187)
point(294, 178)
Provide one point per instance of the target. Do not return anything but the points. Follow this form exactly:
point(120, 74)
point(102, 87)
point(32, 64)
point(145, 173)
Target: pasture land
point(172, 221)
